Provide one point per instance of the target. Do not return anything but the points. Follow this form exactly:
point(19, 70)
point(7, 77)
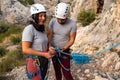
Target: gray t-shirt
point(61, 32)
point(39, 40)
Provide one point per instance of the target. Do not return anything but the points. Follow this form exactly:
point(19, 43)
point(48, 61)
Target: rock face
point(14, 12)
point(78, 5)
point(102, 33)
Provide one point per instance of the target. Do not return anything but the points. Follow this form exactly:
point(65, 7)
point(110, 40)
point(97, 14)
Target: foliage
point(15, 39)
point(59, 1)
point(10, 60)
point(0, 12)
point(13, 60)
point(86, 17)
point(119, 53)
point(8, 29)
point(2, 51)
point(4, 27)
point(26, 2)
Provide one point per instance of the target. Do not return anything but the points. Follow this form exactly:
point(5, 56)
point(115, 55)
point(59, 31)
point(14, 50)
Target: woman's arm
point(26, 48)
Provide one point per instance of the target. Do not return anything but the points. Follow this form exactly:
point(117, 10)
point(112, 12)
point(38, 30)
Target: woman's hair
point(35, 23)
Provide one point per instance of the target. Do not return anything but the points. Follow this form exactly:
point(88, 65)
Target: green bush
point(8, 29)
point(58, 1)
point(119, 53)
point(86, 17)
point(12, 60)
point(7, 65)
point(0, 12)
point(26, 2)
point(3, 29)
point(15, 39)
point(2, 51)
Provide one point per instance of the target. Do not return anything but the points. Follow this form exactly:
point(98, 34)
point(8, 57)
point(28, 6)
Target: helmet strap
point(37, 26)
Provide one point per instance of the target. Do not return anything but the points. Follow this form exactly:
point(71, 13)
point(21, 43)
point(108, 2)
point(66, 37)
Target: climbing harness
point(32, 74)
point(37, 63)
point(46, 77)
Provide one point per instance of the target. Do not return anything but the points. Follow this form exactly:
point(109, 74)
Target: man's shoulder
point(71, 21)
point(53, 19)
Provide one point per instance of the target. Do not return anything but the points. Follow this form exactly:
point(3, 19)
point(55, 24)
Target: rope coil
point(82, 58)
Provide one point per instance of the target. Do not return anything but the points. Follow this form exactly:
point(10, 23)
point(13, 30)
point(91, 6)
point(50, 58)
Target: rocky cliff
point(16, 13)
point(104, 31)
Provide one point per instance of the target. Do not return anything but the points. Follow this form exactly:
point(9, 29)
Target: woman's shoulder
point(29, 27)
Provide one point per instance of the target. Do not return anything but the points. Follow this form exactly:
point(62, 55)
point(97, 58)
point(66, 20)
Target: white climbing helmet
point(36, 8)
point(62, 10)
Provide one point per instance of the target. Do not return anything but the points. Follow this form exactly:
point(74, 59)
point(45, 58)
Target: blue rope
point(59, 54)
point(67, 69)
point(46, 77)
point(108, 76)
point(81, 58)
point(77, 57)
point(113, 46)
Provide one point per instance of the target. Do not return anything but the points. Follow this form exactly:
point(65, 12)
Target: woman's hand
point(47, 55)
point(52, 51)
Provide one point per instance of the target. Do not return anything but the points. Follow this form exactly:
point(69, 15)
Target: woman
point(35, 44)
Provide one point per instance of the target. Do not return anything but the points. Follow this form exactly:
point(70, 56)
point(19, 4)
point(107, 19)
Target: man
point(62, 33)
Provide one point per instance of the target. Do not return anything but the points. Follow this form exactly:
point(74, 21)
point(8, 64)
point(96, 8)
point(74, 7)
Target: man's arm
point(71, 41)
point(50, 35)
point(51, 48)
